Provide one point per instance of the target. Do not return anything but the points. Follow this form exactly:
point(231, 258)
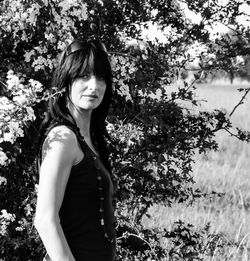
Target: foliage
point(155, 135)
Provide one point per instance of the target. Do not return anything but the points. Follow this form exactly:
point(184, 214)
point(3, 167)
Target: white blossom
point(33, 12)
point(123, 68)
point(7, 216)
point(3, 180)
point(28, 209)
point(15, 128)
point(8, 136)
point(12, 132)
point(124, 91)
point(36, 86)
point(5, 219)
point(30, 116)
point(21, 99)
point(128, 133)
point(18, 17)
point(28, 55)
point(12, 80)
point(5, 105)
point(36, 188)
point(3, 162)
point(23, 223)
point(49, 36)
point(39, 63)
point(41, 49)
point(61, 45)
point(110, 127)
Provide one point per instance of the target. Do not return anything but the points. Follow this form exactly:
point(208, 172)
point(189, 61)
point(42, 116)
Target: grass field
point(226, 171)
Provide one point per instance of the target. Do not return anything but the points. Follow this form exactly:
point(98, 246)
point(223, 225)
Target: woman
point(74, 213)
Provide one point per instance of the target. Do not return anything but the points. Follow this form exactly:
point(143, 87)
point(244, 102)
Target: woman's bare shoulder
point(61, 131)
point(60, 136)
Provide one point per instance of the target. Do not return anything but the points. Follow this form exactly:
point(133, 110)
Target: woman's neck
point(82, 119)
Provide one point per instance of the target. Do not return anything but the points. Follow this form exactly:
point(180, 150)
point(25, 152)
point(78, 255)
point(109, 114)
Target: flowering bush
point(154, 136)
point(123, 69)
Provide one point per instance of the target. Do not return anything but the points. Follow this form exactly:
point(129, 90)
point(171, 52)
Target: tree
point(155, 136)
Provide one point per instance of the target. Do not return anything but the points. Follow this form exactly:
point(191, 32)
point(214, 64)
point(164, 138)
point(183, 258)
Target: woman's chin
point(88, 107)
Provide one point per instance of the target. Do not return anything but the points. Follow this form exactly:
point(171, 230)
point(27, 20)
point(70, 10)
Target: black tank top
point(88, 199)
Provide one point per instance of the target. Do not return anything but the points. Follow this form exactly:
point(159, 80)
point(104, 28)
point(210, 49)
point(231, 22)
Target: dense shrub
point(154, 135)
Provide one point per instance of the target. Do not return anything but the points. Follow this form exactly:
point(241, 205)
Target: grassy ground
point(226, 171)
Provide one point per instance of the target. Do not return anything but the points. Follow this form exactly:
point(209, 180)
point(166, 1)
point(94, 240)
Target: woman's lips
point(90, 96)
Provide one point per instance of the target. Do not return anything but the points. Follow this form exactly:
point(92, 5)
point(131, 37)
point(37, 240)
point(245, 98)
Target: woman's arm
point(59, 154)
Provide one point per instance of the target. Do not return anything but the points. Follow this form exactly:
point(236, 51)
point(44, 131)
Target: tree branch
point(3, 84)
point(123, 54)
point(240, 102)
point(232, 134)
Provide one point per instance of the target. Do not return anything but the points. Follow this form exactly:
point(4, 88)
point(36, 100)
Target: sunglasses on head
point(80, 45)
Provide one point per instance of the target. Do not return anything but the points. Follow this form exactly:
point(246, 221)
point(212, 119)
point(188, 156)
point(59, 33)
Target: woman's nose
point(93, 82)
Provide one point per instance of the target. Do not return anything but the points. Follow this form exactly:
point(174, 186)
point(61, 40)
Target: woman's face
point(86, 92)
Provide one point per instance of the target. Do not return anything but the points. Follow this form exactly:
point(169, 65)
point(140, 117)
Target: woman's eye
point(85, 76)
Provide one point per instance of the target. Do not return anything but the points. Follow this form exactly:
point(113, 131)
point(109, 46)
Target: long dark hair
point(79, 58)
